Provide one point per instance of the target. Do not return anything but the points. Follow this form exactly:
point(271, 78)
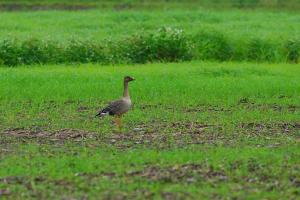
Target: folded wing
point(113, 108)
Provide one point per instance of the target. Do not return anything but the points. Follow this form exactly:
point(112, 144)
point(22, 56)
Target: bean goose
point(119, 107)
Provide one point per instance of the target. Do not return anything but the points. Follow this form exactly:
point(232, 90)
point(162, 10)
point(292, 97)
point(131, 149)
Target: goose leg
point(118, 121)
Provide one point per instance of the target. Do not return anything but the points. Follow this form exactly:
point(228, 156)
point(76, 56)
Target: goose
point(118, 107)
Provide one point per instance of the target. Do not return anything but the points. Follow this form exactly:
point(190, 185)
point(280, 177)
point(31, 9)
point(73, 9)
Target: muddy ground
point(179, 134)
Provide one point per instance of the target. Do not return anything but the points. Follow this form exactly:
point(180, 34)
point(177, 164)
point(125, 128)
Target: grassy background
point(27, 91)
point(98, 25)
point(245, 149)
point(87, 172)
point(136, 36)
point(130, 35)
point(208, 130)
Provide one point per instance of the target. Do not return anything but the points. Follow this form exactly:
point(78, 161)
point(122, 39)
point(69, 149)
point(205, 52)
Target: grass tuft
point(163, 45)
point(292, 48)
point(213, 46)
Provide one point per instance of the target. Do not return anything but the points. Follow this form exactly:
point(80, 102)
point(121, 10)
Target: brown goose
point(119, 107)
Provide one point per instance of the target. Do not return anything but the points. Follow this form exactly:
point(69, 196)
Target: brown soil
point(188, 173)
point(258, 128)
point(4, 192)
point(60, 135)
point(32, 7)
point(158, 134)
point(274, 107)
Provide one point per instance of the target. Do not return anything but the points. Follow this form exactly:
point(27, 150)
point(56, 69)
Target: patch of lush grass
point(163, 45)
point(96, 25)
point(208, 93)
point(249, 150)
point(137, 36)
point(27, 92)
point(208, 172)
point(197, 129)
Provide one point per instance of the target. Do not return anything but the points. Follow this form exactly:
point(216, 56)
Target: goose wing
point(112, 109)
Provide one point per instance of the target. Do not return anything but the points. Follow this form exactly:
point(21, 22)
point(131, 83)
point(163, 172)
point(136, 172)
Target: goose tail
point(102, 113)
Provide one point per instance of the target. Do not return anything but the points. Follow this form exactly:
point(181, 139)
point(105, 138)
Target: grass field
point(65, 25)
point(216, 101)
point(197, 129)
point(135, 36)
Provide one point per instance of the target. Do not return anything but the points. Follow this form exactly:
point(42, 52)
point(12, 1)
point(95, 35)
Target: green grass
point(193, 84)
point(134, 36)
point(197, 130)
point(95, 25)
point(261, 173)
point(249, 150)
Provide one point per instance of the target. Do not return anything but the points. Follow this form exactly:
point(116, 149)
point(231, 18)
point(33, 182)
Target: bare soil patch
point(192, 173)
point(244, 105)
point(274, 107)
point(37, 6)
point(188, 173)
point(165, 135)
point(59, 135)
point(259, 128)
point(29, 183)
point(4, 192)
point(160, 134)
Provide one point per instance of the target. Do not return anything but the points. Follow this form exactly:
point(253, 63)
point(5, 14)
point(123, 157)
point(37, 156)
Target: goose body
point(118, 107)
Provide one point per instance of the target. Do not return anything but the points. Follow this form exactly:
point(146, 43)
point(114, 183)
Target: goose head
point(128, 79)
